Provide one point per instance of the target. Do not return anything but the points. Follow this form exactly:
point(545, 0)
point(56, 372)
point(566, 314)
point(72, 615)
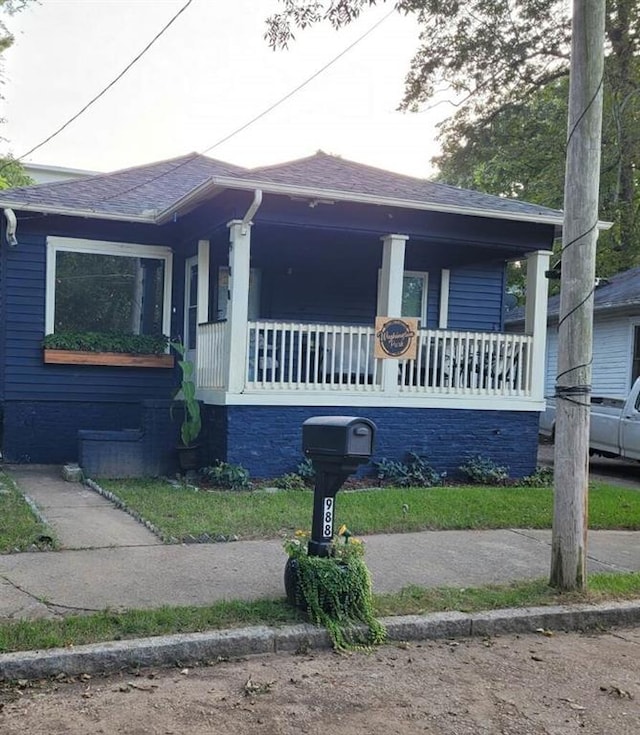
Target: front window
point(414, 295)
point(95, 286)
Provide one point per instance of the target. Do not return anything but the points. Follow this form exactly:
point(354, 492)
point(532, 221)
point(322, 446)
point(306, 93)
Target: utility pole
point(575, 329)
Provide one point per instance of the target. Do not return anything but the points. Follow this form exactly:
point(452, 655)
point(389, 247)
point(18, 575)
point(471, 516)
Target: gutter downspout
point(255, 204)
point(12, 226)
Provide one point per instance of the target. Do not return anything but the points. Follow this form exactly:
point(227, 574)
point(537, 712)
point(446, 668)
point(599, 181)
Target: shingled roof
point(616, 292)
point(132, 193)
point(149, 193)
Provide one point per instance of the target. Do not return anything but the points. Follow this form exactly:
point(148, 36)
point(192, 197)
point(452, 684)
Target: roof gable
point(329, 172)
point(153, 192)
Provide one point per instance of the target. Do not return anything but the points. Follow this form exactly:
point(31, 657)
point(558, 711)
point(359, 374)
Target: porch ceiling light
point(314, 202)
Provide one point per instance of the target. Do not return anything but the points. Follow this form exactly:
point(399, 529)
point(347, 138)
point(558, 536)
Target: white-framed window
point(414, 294)
point(255, 280)
point(100, 286)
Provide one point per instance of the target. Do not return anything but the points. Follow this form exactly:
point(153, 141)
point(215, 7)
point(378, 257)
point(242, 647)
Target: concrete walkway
point(110, 561)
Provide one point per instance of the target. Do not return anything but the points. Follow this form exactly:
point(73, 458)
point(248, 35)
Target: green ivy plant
point(335, 590)
point(132, 344)
point(192, 422)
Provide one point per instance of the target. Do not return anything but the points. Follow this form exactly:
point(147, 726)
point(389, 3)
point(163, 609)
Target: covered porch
point(253, 359)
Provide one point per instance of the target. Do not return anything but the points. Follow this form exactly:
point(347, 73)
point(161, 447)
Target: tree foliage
point(505, 65)
point(11, 173)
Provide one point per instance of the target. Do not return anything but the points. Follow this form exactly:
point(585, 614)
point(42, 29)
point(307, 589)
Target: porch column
point(238, 307)
point(390, 297)
point(535, 320)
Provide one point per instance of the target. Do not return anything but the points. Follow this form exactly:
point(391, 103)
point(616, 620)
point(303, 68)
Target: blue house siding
point(475, 298)
point(267, 440)
point(26, 376)
point(44, 405)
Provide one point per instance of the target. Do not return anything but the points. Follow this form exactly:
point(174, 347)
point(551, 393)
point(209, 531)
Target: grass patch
point(257, 514)
point(19, 527)
point(108, 626)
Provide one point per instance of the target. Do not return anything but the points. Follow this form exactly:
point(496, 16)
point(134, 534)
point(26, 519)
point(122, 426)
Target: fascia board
point(188, 202)
point(72, 212)
point(303, 191)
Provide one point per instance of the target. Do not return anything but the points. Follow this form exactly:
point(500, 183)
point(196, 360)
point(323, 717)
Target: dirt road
point(511, 685)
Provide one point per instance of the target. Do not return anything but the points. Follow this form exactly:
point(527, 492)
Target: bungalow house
point(273, 278)
point(616, 335)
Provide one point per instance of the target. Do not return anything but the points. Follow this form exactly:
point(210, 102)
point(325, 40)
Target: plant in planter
point(335, 590)
point(107, 348)
point(189, 450)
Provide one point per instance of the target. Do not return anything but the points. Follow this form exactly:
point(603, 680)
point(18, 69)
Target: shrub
point(541, 477)
point(307, 471)
point(416, 472)
point(484, 471)
point(290, 481)
point(226, 476)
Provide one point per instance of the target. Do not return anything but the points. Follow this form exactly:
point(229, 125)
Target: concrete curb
point(187, 649)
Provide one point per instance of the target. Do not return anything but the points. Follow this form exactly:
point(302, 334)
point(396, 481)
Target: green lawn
point(178, 512)
point(76, 630)
point(19, 527)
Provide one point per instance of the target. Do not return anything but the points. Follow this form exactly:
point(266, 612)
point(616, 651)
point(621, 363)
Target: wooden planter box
point(115, 359)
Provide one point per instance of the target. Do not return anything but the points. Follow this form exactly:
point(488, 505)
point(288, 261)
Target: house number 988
point(327, 521)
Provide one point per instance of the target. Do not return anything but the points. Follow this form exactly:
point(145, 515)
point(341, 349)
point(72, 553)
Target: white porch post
point(535, 321)
point(238, 308)
point(390, 297)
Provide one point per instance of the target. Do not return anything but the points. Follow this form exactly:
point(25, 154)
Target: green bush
point(290, 481)
point(541, 477)
point(132, 344)
point(307, 471)
point(416, 472)
point(484, 471)
point(226, 476)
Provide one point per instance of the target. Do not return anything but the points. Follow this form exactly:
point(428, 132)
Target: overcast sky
point(209, 74)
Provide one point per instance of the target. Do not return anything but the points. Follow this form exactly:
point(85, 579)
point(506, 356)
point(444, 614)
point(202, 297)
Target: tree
point(495, 57)
point(11, 173)
point(521, 153)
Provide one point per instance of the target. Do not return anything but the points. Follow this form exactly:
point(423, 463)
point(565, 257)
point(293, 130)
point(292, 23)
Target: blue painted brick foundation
point(266, 440)
point(47, 431)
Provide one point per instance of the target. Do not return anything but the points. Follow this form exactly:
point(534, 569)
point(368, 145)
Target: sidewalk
point(109, 560)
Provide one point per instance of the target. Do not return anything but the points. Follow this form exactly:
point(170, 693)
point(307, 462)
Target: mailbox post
point(336, 445)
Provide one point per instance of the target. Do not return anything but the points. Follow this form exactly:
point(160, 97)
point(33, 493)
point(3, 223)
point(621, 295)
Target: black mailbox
point(336, 445)
point(338, 437)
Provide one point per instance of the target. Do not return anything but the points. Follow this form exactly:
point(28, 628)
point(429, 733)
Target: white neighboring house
point(616, 335)
point(44, 174)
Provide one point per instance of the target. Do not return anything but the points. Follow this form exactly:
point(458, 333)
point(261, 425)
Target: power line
point(259, 116)
point(103, 91)
point(300, 86)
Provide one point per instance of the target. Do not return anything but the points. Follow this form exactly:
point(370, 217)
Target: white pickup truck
point(615, 424)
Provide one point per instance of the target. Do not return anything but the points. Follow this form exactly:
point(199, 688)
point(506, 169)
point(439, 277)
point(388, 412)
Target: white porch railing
point(210, 355)
point(288, 356)
point(469, 363)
